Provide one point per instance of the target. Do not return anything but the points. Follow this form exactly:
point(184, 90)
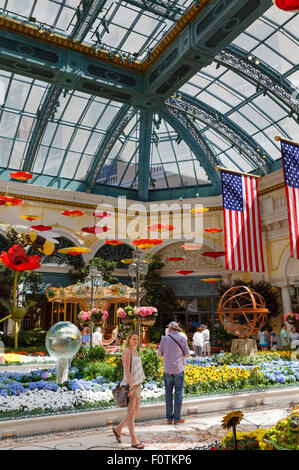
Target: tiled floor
point(197, 430)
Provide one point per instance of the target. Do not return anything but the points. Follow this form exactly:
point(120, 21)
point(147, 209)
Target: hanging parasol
point(75, 213)
point(21, 175)
point(161, 228)
point(95, 229)
point(10, 201)
point(30, 217)
point(41, 228)
point(185, 272)
point(213, 230)
point(211, 280)
point(198, 210)
point(74, 250)
point(101, 214)
point(213, 254)
point(113, 242)
point(191, 247)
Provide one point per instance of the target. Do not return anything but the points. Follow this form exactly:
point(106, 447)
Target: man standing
point(284, 337)
point(173, 348)
point(206, 341)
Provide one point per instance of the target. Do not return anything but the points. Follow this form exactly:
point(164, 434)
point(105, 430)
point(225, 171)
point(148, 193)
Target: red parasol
point(21, 175)
point(73, 213)
point(184, 272)
point(213, 254)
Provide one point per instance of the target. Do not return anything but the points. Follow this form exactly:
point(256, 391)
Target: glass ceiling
point(77, 127)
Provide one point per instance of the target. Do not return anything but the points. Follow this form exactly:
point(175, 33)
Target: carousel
point(68, 301)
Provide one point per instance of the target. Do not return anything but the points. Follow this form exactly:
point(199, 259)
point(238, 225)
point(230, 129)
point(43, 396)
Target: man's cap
point(174, 326)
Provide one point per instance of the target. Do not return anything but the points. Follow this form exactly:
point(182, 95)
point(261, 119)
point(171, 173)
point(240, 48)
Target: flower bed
point(25, 358)
point(91, 382)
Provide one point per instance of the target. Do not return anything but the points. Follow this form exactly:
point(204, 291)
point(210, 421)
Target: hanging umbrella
point(198, 210)
point(185, 272)
point(95, 229)
point(74, 250)
point(191, 247)
point(113, 242)
point(41, 228)
point(211, 280)
point(213, 230)
point(10, 201)
point(213, 254)
point(21, 175)
point(287, 5)
point(30, 217)
point(74, 213)
point(101, 214)
point(160, 228)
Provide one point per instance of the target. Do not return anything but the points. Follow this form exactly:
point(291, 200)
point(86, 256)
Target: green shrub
point(106, 370)
point(35, 337)
point(97, 353)
point(150, 362)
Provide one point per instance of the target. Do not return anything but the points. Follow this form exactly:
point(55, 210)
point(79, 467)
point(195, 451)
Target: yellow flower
point(232, 418)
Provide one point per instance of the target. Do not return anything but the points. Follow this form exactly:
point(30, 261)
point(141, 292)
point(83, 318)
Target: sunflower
point(232, 419)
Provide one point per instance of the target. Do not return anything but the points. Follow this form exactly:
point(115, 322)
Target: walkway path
point(197, 430)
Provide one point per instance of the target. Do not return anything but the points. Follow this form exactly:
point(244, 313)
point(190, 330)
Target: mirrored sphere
point(63, 340)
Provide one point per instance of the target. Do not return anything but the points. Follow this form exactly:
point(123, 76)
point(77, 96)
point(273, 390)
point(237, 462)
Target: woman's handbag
point(120, 392)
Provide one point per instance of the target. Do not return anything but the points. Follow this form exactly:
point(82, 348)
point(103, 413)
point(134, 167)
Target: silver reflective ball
point(63, 340)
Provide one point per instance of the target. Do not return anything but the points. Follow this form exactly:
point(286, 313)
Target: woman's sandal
point(140, 445)
point(117, 436)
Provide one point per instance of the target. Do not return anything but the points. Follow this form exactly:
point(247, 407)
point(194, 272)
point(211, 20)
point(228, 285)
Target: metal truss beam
point(89, 13)
point(146, 123)
point(198, 44)
point(121, 120)
point(170, 11)
point(202, 151)
point(236, 59)
point(209, 116)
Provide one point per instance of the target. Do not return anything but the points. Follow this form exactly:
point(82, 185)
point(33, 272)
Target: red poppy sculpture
point(17, 259)
point(287, 5)
point(21, 175)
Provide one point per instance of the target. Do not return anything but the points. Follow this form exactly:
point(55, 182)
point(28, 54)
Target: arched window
point(59, 258)
point(115, 253)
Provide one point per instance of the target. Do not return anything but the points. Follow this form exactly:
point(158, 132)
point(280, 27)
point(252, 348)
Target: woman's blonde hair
point(129, 336)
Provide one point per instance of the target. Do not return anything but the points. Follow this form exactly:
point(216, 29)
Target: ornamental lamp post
point(137, 272)
point(93, 274)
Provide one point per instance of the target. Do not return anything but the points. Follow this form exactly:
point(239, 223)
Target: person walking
point(272, 339)
point(133, 376)
point(197, 342)
point(206, 341)
point(284, 337)
point(263, 339)
point(174, 348)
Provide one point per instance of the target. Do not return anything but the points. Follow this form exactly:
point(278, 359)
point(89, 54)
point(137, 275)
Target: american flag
point(243, 238)
point(290, 160)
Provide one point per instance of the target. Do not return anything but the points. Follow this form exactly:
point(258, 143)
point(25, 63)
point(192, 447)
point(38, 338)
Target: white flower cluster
point(37, 359)
point(51, 400)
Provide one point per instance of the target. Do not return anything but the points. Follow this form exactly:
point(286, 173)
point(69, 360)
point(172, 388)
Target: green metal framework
point(217, 95)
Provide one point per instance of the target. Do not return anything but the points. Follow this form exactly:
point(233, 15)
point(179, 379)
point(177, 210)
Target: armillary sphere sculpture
point(242, 311)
